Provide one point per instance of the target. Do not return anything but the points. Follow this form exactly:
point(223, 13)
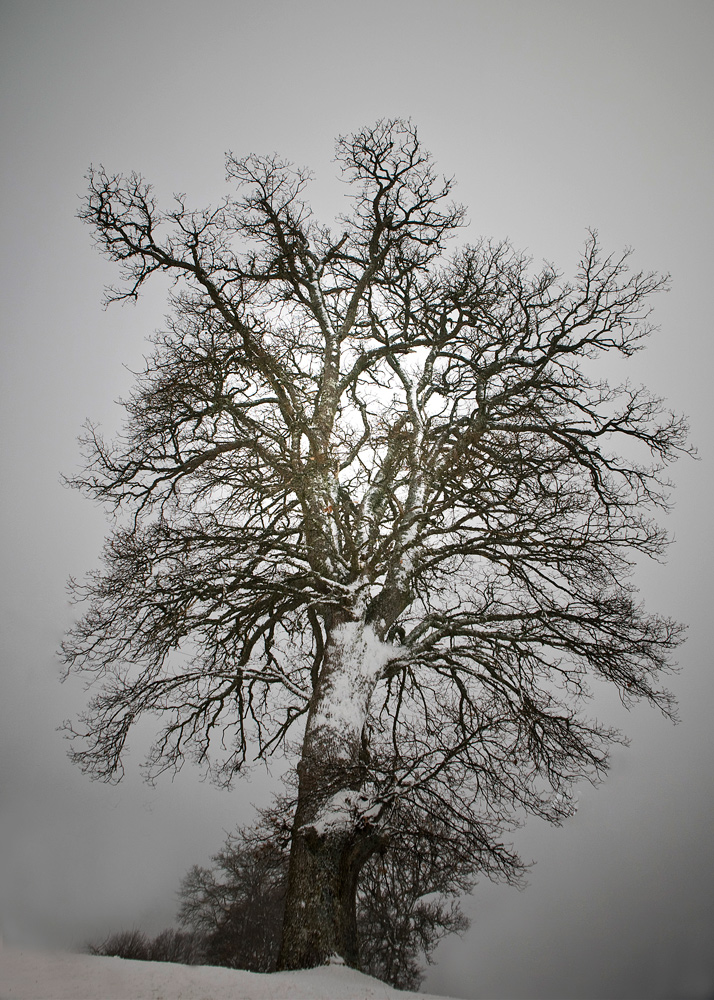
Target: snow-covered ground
point(43, 975)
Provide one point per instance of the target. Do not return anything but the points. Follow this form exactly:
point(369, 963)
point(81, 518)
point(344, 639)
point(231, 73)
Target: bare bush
point(184, 947)
point(169, 945)
point(132, 944)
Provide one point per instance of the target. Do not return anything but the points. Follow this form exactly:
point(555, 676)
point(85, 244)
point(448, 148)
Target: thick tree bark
point(320, 908)
point(331, 837)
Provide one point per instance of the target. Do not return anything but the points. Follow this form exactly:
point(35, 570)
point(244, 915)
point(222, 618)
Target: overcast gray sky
point(553, 116)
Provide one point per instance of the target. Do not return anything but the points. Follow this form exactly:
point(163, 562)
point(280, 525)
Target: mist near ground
point(553, 116)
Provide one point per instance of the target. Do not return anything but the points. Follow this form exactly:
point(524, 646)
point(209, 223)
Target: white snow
point(338, 813)
point(364, 656)
point(38, 975)
point(343, 810)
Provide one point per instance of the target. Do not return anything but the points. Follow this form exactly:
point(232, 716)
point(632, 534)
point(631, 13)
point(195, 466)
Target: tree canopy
point(377, 509)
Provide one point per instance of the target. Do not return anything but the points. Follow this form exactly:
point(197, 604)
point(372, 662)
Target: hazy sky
point(553, 116)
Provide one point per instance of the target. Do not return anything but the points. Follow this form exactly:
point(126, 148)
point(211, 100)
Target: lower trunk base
point(321, 905)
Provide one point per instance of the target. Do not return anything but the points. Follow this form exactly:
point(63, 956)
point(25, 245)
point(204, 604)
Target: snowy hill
point(41, 975)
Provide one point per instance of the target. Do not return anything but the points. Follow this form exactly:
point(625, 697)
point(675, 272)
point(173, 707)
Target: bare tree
point(237, 904)
point(406, 897)
point(375, 514)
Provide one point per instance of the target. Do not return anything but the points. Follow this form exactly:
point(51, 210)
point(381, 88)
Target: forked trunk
point(320, 908)
point(332, 837)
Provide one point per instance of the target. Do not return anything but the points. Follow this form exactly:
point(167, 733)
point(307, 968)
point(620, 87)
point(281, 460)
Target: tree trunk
point(331, 838)
point(320, 908)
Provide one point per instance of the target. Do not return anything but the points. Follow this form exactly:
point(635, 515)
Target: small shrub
point(184, 947)
point(125, 944)
point(170, 945)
